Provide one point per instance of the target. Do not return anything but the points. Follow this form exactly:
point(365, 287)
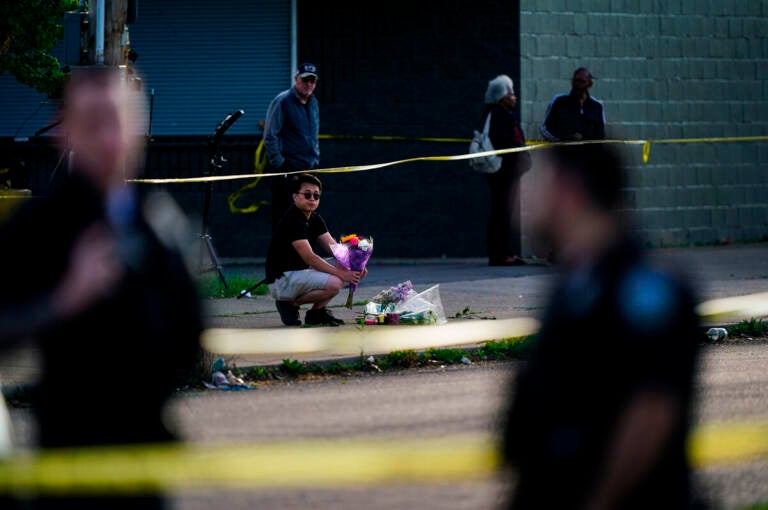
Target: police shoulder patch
point(647, 299)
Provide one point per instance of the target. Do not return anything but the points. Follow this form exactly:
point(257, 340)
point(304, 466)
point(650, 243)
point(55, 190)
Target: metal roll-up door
point(201, 61)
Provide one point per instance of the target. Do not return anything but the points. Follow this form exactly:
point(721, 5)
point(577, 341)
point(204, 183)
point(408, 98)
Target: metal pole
point(100, 31)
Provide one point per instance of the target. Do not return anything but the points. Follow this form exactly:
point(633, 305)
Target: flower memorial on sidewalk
point(401, 304)
point(387, 299)
point(353, 253)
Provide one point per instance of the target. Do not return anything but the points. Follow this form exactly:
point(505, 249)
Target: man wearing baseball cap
point(291, 131)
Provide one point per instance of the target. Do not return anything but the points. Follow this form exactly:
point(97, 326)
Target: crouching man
point(296, 275)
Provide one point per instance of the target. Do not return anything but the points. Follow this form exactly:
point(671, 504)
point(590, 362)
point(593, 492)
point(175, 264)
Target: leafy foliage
point(508, 348)
point(752, 327)
point(400, 359)
point(294, 367)
point(449, 356)
point(28, 32)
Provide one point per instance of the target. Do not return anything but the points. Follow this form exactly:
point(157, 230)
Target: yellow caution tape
point(748, 306)
point(235, 195)
point(270, 465)
point(259, 163)
point(260, 158)
point(360, 168)
point(281, 464)
point(646, 151)
point(362, 339)
point(728, 442)
point(376, 339)
point(528, 147)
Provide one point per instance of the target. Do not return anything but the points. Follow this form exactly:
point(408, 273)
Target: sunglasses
point(310, 79)
point(308, 195)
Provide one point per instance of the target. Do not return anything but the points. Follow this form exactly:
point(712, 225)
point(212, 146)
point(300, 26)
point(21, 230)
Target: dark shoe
point(509, 261)
point(321, 317)
point(289, 313)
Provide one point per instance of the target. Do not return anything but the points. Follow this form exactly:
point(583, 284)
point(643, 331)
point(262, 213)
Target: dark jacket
point(620, 328)
point(565, 117)
point(107, 372)
point(291, 132)
point(505, 133)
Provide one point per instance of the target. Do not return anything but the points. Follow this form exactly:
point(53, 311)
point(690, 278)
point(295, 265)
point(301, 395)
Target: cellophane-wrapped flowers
point(387, 299)
point(409, 306)
point(352, 254)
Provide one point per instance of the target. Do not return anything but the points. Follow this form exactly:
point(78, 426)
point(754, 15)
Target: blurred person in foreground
point(96, 276)
point(599, 416)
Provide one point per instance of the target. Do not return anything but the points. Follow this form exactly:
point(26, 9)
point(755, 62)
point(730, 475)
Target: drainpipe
point(100, 32)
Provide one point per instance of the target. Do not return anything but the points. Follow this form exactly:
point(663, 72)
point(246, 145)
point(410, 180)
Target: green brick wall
point(666, 70)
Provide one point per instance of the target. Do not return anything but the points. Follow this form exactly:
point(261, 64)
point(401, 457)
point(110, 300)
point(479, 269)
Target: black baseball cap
point(306, 69)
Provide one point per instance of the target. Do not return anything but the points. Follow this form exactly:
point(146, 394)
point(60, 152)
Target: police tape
point(530, 146)
point(141, 469)
point(735, 307)
point(306, 463)
point(361, 339)
point(357, 340)
point(274, 464)
point(728, 442)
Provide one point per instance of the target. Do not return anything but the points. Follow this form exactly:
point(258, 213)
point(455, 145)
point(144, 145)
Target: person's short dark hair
point(599, 167)
point(583, 69)
point(298, 179)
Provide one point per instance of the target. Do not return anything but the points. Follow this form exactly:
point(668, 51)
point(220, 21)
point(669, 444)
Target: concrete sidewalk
point(489, 292)
point(492, 292)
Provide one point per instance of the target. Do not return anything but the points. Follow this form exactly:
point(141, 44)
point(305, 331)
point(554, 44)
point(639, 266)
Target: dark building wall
point(408, 70)
point(414, 70)
point(666, 70)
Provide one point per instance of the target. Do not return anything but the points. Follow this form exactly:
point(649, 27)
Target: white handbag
point(481, 142)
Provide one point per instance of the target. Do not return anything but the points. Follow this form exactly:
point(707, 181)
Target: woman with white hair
point(503, 234)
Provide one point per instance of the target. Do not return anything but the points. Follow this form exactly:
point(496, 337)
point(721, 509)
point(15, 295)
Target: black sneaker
point(321, 317)
point(289, 313)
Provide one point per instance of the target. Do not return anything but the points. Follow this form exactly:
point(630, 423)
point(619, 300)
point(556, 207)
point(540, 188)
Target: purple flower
point(353, 254)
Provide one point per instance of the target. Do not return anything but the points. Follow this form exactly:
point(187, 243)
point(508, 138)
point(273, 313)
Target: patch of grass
point(508, 348)
point(211, 286)
point(493, 350)
point(750, 327)
point(447, 356)
point(467, 313)
point(399, 359)
point(294, 367)
point(255, 373)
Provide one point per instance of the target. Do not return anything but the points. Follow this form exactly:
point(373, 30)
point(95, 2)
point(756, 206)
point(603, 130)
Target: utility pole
point(108, 25)
point(115, 19)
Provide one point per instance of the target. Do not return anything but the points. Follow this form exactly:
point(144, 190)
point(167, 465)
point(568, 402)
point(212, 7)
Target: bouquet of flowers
point(352, 254)
point(388, 299)
point(409, 306)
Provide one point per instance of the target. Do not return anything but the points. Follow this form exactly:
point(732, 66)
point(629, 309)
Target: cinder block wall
point(677, 69)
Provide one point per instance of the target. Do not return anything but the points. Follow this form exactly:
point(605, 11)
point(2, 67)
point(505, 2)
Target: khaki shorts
point(297, 283)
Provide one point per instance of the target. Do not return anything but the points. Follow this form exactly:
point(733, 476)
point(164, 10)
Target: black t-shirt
point(620, 327)
point(294, 225)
